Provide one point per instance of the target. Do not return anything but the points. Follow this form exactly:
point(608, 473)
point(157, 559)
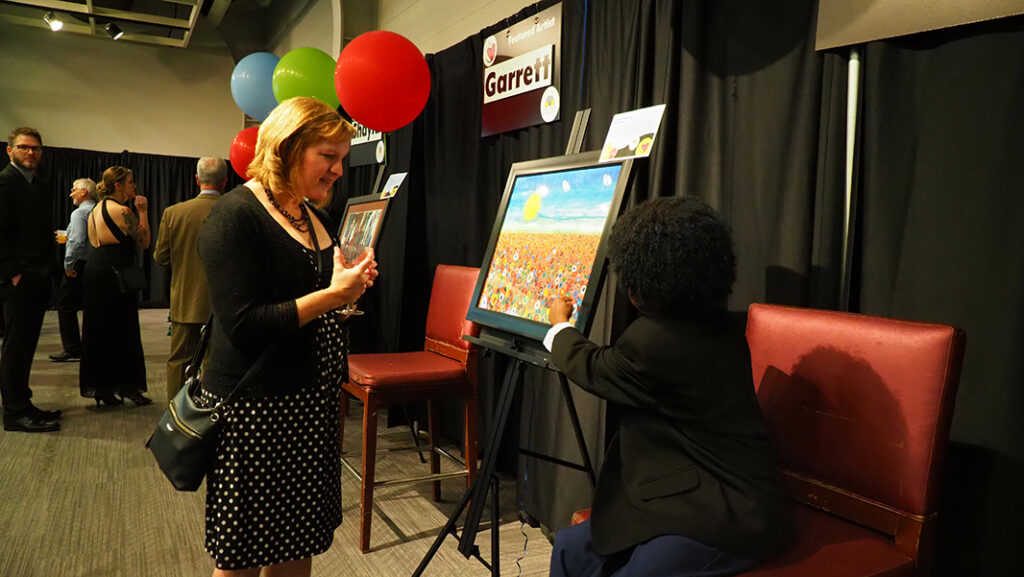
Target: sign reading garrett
point(522, 67)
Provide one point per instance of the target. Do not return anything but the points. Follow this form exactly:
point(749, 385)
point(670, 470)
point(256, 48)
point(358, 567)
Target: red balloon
point(382, 80)
point(243, 149)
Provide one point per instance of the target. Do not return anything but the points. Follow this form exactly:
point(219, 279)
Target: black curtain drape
point(942, 240)
point(753, 125)
point(392, 301)
point(163, 180)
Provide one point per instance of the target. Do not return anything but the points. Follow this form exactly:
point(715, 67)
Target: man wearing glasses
point(26, 267)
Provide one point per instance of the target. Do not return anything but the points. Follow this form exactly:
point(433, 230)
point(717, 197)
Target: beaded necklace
point(301, 224)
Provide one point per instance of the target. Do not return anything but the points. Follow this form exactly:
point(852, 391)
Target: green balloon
point(305, 72)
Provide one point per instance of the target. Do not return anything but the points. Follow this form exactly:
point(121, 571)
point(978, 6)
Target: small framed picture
point(364, 216)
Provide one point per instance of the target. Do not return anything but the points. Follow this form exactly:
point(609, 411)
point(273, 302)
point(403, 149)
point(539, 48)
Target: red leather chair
point(445, 369)
point(859, 411)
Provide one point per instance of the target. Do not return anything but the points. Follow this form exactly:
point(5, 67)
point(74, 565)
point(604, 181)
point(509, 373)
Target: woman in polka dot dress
point(277, 279)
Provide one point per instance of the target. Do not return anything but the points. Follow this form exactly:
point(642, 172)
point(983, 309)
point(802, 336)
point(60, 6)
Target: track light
point(114, 31)
point(53, 21)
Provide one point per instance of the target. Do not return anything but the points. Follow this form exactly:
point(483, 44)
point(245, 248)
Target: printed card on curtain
point(367, 147)
point(522, 71)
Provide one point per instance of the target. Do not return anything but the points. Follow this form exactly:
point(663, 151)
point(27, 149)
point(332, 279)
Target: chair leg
point(344, 413)
point(369, 462)
point(471, 440)
point(433, 424)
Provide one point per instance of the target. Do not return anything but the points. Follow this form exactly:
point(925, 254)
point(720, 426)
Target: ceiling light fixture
point(53, 21)
point(114, 31)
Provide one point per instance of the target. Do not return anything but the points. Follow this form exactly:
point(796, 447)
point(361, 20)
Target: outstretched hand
point(561, 309)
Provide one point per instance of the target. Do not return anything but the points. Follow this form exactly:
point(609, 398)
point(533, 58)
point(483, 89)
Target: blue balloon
point(252, 84)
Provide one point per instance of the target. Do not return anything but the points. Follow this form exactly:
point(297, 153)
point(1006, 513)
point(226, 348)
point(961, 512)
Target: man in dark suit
point(176, 247)
point(688, 485)
point(27, 260)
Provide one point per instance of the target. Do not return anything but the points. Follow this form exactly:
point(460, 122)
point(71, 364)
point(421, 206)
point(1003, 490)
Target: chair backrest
point(449, 304)
point(859, 410)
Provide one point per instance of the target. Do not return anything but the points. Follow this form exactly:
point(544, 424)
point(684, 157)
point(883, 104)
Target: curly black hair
point(674, 256)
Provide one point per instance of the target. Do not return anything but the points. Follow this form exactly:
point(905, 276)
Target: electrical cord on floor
point(522, 554)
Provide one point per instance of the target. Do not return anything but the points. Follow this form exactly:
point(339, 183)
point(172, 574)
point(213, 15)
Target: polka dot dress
point(274, 493)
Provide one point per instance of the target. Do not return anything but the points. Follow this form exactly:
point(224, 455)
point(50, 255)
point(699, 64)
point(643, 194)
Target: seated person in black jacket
point(688, 485)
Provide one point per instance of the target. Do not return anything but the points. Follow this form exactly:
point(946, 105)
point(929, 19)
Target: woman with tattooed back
point(113, 366)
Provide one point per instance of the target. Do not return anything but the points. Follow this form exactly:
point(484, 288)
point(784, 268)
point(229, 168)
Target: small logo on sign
point(490, 50)
point(549, 104)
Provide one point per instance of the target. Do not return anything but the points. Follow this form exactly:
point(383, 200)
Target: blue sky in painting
point(573, 201)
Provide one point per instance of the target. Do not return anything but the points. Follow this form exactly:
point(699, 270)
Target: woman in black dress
point(113, 366)
point(276, 279)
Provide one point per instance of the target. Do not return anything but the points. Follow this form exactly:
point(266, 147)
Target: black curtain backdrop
point(163, 180)
point(942, 240)
point(753, 125)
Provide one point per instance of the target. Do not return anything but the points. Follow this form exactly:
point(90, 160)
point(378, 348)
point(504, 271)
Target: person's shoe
point(139, 399)
point(64, 356)
point(107, 398)
point(44, 414)
point(29, 423)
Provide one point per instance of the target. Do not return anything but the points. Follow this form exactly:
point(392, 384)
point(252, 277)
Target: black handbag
point(185, 439)
point(131, 279)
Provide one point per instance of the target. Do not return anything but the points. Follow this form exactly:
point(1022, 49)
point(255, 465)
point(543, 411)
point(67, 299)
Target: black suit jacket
point(691, 456)
point(26, 227)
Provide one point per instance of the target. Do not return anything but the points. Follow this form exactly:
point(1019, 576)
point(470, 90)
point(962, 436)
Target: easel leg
point(494, 438)
point(576, 429)
point(478, 490)
point(495, 536)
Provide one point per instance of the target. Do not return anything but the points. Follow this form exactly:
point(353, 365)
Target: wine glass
point(352, 253)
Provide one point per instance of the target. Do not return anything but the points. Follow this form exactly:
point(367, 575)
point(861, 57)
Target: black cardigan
point(255, 271)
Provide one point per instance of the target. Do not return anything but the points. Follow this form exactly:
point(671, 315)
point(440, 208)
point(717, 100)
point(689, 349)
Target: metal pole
point(852, 99)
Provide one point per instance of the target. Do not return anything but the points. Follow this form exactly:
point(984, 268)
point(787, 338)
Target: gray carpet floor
point(89, 501)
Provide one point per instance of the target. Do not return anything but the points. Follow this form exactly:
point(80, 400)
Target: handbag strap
point(197, 360)
point(121, 236)
point(316, 242)
point(200, 352)
point(248, 376)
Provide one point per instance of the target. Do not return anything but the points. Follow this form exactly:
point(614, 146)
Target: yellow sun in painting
point(532, 207)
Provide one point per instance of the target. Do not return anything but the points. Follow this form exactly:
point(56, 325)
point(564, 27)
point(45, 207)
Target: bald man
point(176, 247)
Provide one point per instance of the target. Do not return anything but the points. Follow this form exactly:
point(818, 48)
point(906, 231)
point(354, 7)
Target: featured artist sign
point(367, 147)
point(522, 68)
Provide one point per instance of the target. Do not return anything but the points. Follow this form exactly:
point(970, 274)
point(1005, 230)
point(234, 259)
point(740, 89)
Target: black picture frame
point(581, 168)
point(364, 218)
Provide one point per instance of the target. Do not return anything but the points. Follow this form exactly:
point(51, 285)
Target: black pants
point(24, 307)
point(68, 303)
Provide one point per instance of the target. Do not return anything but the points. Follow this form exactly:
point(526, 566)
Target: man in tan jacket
point(176, 247)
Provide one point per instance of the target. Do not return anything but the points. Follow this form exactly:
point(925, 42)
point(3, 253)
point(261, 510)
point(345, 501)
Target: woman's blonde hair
point(111, 176)
point(292, 127)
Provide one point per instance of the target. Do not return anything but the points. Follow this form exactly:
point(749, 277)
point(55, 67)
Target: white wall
point(98, 94)
point(316, 28)
point(434, 25)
